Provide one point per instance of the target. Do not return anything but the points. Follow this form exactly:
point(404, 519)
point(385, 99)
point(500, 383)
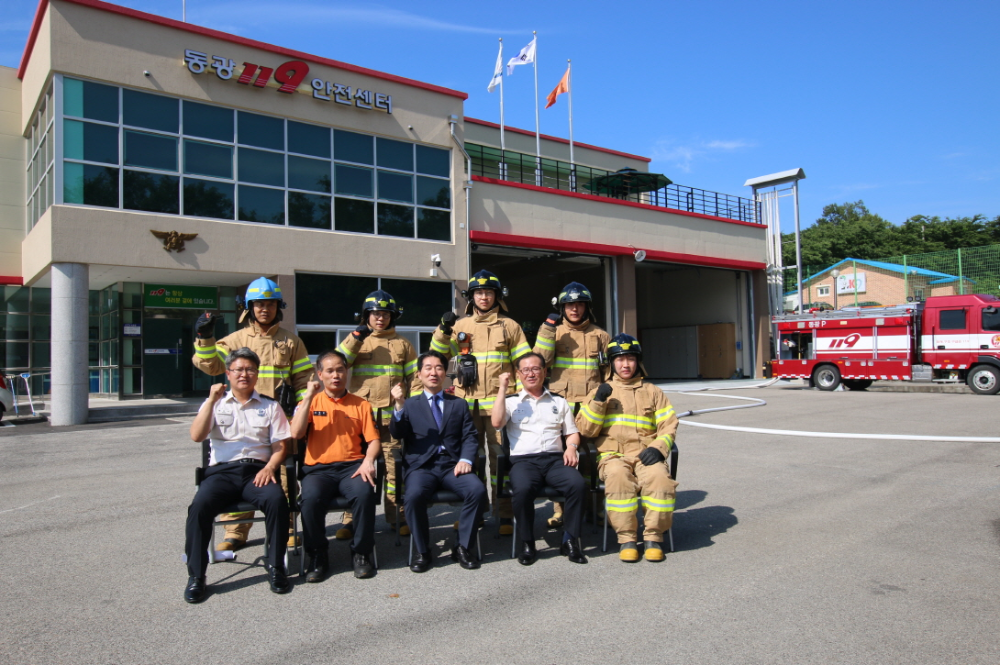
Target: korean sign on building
point(183, 297)
point(851, 282)
point(288, 75)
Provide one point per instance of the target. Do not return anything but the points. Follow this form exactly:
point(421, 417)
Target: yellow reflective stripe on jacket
point(378, 370)
point(667, 440)
point(628, 419)
point(410, 367)
point(416, 391)
point(300, 395)
point(390, 487)
point(342, 347)
point(601, 456)
point(491, 357)
point(486, 403)
point(272, 372)
point(591, 416)
point(301, 365)
point(623, 505)
point(658, 505)
point(446, 348)
point(208, 352)
point(545, 343)
point(519, 351)
point(575, 363)
point(664, 414)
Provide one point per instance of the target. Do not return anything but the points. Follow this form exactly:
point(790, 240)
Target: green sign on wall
point(184, 297)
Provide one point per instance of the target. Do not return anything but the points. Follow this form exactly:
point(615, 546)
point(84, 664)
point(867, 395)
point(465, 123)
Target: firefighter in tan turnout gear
point(634, 424)
point(283, 361)
point(380, 359)
point(571, 344)
point(485, 344)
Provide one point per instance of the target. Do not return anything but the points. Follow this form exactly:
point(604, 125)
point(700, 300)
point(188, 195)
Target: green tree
point(844, 230)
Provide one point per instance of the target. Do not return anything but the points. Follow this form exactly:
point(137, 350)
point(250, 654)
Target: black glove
point(361, 332)
point(603, 392)
point(651, 456)
point(553, 320)
point(204, 327)
point(447, 321)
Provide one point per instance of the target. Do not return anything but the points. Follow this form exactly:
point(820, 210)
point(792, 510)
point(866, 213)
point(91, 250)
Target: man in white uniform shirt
point(536, 421)
point(249, 434)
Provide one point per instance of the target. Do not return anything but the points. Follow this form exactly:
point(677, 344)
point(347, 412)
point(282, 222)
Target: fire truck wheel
point(857, 384)
point(984, 380)
point(826, 377)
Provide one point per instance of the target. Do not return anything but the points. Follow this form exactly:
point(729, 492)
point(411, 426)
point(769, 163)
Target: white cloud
point(256, 13)
point(683, 156)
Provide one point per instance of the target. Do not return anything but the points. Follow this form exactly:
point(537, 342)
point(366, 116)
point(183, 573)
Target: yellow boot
point(653, 551)
point(628, 552)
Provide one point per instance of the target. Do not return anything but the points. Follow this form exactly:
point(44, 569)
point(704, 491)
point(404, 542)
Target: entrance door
point(163, 345)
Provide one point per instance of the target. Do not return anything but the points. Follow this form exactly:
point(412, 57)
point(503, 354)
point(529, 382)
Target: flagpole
point(572, 161)
point(502, 145)
point(538, 138)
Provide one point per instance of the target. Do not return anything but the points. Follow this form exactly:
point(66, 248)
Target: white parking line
point(29, 505)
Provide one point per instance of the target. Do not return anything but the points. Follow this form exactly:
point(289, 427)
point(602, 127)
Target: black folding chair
point(503, 481)
point(244, 506)
point(337, 503)
point(597, 487)
point(438, 498)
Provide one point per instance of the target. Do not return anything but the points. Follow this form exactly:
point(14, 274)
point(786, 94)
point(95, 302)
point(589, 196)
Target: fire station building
point(150, 169)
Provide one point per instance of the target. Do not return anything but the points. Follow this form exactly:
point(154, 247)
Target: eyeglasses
point(531, 370)
point(243, 370)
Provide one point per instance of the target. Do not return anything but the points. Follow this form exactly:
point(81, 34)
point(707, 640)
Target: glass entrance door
point(164, 358)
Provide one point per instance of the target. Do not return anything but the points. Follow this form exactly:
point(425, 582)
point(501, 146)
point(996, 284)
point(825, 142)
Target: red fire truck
point(944, 338)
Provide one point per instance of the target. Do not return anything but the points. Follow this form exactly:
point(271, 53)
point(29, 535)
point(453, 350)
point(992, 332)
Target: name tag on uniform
point(319, 413)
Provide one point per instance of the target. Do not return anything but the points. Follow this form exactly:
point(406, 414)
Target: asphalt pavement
point(789, 550)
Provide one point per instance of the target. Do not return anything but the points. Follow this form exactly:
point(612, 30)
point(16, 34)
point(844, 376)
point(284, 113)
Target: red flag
point(560, 89)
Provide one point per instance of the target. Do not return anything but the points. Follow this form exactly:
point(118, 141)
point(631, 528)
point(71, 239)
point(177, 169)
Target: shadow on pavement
point(695, 529)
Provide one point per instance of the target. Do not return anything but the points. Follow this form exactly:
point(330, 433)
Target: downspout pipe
point(452, 121)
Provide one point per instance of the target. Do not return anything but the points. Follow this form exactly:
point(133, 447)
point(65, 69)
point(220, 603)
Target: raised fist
point(204, 327)
point(447, 321)
point(553, 320)
point(603, 392)
point(362, 331)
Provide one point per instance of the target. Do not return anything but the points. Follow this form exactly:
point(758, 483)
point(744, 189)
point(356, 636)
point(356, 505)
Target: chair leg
point(479, 547)
point(604, 547)
point(375, 556)
point(211, 545)
point(670, 537)
point(513, 541)
point(409, 560)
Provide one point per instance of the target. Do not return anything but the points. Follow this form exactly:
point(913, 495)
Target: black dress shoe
point(422, 562)
point(363, 567)
point(528, 553)
point(464, 557)
point(278, 579)
point(194, 592)
point(316, 567)
point(573, 550)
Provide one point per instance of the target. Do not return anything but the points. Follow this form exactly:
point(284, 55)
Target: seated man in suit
point(535, 421)
point(439, 446)
point(249, 437)
point(335, 464)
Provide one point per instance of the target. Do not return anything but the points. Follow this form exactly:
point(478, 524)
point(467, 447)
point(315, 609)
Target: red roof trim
point(516, 130)
point(602, 199)
point(215, 34)
point(508, 240)
point(11, 280)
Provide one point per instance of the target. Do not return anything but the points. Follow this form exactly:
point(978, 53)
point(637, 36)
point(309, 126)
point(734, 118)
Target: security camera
point(146, 73)
point(436, 260)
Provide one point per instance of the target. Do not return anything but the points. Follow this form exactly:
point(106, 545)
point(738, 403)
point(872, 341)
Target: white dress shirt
point(246, 430)
point(537, 425)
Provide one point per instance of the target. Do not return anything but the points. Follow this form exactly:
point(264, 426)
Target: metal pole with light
point(835, 273)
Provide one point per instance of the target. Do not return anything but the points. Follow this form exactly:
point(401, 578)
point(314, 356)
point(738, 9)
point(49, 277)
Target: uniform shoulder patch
point(265, 398)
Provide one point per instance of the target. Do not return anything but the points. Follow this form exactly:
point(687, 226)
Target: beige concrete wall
point(110, 47)
point(483, 135)
point(38, 72)
point(518, 211)
point(12, 176)
point(116, 238)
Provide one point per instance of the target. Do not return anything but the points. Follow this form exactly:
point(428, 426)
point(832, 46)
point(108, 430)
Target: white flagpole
point(572, 161)
point(538, 139)
point(502, 145)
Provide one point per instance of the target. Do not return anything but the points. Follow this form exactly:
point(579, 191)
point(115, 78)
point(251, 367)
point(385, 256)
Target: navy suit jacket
point(421, 439)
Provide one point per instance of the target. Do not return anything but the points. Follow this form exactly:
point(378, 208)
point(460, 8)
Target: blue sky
point(894, 103)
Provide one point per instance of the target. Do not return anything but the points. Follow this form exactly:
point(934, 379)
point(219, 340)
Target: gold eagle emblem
point(172, 240)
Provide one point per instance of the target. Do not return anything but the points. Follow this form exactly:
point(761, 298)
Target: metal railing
point(522, 168)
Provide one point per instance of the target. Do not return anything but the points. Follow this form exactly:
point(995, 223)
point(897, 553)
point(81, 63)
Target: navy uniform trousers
point(322, 482)
point(529, 474)
point(421, 483)
point(225, 484)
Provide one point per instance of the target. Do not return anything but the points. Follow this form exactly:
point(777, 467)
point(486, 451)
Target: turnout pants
point(529, 474)
point(228, 483)
point(627, 482)
point(488, 435)
point(423, 482)
point(320, 484)
point(393, 495)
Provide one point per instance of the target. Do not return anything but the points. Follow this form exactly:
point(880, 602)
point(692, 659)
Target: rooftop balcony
point(518, 167)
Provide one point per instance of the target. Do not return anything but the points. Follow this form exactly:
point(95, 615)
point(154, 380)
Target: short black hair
point(326, 354)
point(530, 354)
point(431, 354)
point(244, 353)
